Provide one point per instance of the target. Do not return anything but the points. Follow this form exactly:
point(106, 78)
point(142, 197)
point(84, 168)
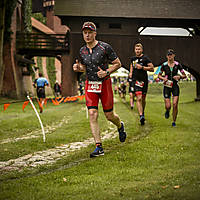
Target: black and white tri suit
point(170, 72)
point(140, 74)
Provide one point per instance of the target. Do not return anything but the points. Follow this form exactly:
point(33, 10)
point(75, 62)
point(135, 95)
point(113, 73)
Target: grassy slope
point(153, 160)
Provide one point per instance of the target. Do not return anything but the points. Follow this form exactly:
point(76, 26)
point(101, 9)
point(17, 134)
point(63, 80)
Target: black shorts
point(168, 91)
point(141, 90)
point(131, 89)
point(41, 92)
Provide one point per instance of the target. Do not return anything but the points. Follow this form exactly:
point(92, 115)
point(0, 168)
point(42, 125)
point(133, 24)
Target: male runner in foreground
point(140, 64)
point(170, 81)
point(95, 56)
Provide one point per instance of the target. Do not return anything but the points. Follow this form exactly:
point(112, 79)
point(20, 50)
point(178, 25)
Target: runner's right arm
point(131, 70)
point(160, 75)
point(78, 67)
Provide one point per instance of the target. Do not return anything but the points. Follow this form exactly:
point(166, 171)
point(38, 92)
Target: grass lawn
point(157, 161)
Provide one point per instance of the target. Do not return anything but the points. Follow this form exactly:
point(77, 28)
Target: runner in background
point(94, 59)
point(170, 81)
point(57, 89)
point(115, 88)
point(140, 63)
point(123, 90)
point(131, 81)
point(40, 84)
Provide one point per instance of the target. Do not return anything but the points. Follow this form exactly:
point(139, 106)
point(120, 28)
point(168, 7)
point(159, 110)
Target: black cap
point(170, 52)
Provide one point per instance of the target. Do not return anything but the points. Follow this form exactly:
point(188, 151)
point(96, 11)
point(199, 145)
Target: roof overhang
point(143, 9)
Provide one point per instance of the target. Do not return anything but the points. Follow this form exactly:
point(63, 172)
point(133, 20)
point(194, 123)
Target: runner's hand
point(101, 73)
point(177, 77)
point(138, 66)
point(76, 66)
point(165, 80)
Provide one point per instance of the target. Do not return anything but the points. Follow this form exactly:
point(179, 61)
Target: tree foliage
point(10, 7)
point(50, 66)
point(39, 17)
point(27, 11)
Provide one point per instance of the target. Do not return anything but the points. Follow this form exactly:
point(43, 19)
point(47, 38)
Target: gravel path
point(50, 156)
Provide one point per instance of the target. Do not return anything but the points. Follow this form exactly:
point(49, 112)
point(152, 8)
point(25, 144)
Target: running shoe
point(142, 119)
point(122, 133)
point(167, 114)
point(97, 152)
point(173, 124)
point(143, 116)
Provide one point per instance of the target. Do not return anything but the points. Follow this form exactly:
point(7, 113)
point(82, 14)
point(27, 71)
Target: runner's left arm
point(113, 58)
point(149, 67)
point(182, 76)
point(46, 83)
point(116, 64)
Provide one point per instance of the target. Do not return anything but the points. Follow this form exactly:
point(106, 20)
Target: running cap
point(89, 25)
point(170, 52)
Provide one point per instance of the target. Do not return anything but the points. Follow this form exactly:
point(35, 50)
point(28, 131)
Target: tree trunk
point(2, 27)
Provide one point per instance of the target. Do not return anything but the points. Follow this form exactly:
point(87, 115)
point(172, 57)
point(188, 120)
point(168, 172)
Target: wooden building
point(118, 22)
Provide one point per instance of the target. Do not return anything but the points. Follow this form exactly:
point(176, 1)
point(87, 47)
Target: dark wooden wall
point(126, 35)
point(175, 9)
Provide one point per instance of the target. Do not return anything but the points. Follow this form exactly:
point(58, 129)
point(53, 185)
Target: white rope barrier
point(44, 137)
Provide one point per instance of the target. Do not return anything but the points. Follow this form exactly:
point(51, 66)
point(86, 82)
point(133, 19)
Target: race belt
point(139, 84)
point(168, 84)
point(94, 86)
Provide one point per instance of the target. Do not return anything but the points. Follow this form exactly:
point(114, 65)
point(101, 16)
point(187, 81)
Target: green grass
point(154, 159)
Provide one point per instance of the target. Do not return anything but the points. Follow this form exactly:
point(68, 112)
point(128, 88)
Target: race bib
point(139, 84)
point(168, 84)
point(94, 86)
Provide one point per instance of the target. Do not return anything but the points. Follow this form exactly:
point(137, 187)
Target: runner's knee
point(109, 115)
point(93, 113)
point(139, 98)
point(175, 104)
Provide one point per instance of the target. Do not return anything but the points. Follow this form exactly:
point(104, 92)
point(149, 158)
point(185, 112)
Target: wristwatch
point(107, 73)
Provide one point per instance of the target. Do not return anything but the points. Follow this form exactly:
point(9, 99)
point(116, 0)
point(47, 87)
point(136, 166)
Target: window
point(162, 31)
